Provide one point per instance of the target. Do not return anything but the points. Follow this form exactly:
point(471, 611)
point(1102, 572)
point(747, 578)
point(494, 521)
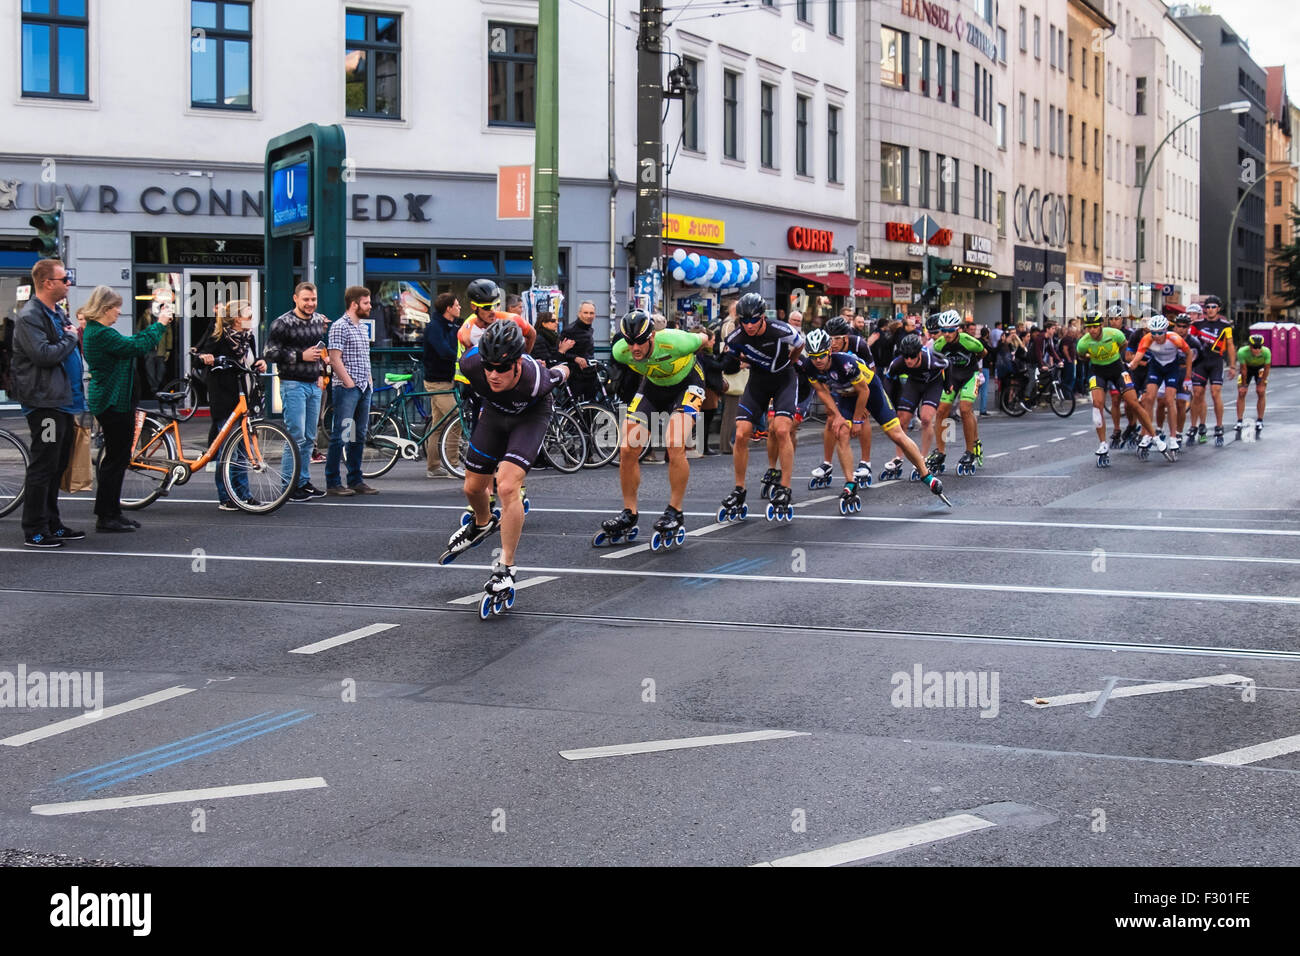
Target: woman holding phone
point(231, 338)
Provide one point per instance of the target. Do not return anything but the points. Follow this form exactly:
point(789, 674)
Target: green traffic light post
point(307, 198)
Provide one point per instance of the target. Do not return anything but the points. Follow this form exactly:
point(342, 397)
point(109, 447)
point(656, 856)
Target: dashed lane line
point(178, 796)
point(681, 743)
point(1139, 690)
point(519, 586)
point(95, 716)
point(1248, 755)
point(855, 851)
point(341, 639)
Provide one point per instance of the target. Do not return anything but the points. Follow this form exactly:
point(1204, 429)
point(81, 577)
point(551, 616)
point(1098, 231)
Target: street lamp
point(1239, 106)
point(1232, 228)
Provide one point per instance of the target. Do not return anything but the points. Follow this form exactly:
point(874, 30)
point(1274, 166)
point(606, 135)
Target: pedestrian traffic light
point(930, 295)
point(940, 270)
point(47, 228)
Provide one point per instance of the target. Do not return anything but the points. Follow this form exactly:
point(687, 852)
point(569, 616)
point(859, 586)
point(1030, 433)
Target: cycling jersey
point(470, 332)
point(534, 386)
point(1216, 334)
point(768, 351)
point(1244, 357)
point(1162, 352)
point(932, 367)
point(1103, 348)
point(963, 356)
point(857, 345)
point(842, 375)
point(670, 360)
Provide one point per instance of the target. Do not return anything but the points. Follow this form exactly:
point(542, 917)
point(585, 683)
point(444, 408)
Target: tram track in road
point(768, 627)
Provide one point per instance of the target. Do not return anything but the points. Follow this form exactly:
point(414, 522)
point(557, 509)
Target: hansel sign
point(977, 250)
point(903, 232)
point(691, 229)
point(937, 16)
point(810, 240)
point(515, 192)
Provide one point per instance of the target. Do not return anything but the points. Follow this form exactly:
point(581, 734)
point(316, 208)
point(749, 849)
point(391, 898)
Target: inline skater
point(844, 339)
point(1215, 333)
point(672, 384)
point(920, 374)
point(515, 395)
point(850, 390)
point(1103, 347)
point(1163, 369)
point(1115, 317)
point(1182, 326)
point(1254, 361)
point(963, 353)
point(769, 347)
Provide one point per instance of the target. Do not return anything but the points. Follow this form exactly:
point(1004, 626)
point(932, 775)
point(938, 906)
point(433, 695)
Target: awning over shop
point(710, 252)
point(837, 283)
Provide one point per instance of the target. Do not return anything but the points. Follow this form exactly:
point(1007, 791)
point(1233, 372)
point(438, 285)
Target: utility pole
point(546, 212)
point(649, 148)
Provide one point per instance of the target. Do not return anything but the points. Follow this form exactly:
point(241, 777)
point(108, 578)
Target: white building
point(157, 151)
point(1178, 97)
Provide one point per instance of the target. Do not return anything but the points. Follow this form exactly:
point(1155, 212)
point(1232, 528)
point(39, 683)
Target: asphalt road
point(440, 738)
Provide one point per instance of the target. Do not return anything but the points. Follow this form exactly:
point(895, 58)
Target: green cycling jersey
point(671, 358)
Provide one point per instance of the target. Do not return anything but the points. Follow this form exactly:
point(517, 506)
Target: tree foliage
point(1288, 261)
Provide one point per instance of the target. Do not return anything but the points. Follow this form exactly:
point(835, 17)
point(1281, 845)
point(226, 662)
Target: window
point(893, 58)
point(1069, 136)
point(1051, 129)
point(1038, 37)
point(801, 135)
point(1139, 165)
point(979, 185)
point(1140, 105)
point(925, 67)
point(1069, 219)
point(1060, 49)
point(1038, 116)
point(1022, 30)
point(1060, 132)
point(833, 144)
point(1083, 143)
point(893, 173)
point(944, 172)
point(1051, 45)
point(941, 71)
point(1096, 143)
point(1069, 58)
point(923, 191)
point(956, 181)
point(691, 106)
point(512, 74)
point(1002, 45)
point(1002, 214)
point(801, 11)
point(988, 97)
point(372, 65)
point(833, 17)
point(1096, 77)
point(730, 114)
point(1083, 67)
point(1277, 235)
point(221, 56)
point(956, 65)
point(1277, 193)
point(55, 48)
point(766, 125)
point(1021, 118)
point(1002, 126)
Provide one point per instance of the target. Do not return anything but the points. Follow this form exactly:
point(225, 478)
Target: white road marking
point(922, 833)
point(815, 501)
point(1139, 690)
point(1082, 431)
point(519, 586)
point(1053, 441)
point(684, 743)
point(1264, 751)
point(178, 796)
point(1026, 447)
point(755, 578)
point(95, 716)
point(347, 638)
point(1001, 454)
point(1022, 477)
point(637, 549)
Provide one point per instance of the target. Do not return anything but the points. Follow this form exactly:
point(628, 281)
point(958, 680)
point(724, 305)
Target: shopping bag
point(79, 475)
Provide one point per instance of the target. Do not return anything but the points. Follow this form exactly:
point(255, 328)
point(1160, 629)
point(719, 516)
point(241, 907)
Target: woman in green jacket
point(111, 358)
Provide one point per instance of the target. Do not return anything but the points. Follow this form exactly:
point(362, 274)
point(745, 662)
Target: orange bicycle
point(256, 459)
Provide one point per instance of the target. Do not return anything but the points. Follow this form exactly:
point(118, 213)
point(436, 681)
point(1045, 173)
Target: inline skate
point(850, 501)
point(465, 537)
point(966, 465)
point(1103, 455)
point(821, 477)
point(669, 531)
point(779, 507)
point(862, 474)
point(617, 530)
point(771, 478)
point(733, 506)
point(894, 471)
point(1218, 436)
point(498, 593)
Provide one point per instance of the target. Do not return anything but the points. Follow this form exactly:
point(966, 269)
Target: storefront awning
point(709, 252)
point(837, 283)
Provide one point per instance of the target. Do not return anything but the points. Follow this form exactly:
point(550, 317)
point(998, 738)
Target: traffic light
point(930, 295)
point(940, 270)
point(47, 228)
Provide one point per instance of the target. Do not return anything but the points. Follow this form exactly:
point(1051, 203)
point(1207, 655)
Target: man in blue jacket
point(45, 360)
point(439, 370)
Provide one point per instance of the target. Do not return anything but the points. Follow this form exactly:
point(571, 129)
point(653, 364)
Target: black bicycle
point(13, 471)
point(1015, 397)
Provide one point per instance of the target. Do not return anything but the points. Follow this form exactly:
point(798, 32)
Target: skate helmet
point(949, 321)
point(910, 346)
point(636, 326)
point(838, 325)
point(1158, 325)
point(1195, 307)
point(1256, 341)
point(1117, 311)
point(1213, 300)
point(751, 306)
point(483, 294)
point(502, 343)
point(818, 343)
point(1091, 320)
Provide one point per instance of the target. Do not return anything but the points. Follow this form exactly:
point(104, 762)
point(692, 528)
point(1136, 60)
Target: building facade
point(1177, 230)
point(933, 123)
point(1232, 219)
point(1279, 194)
point(1085, 113)
point(158, 160)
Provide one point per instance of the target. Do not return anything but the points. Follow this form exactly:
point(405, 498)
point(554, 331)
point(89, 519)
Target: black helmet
point(910, 346)
point(1213, 300)
point(751, 306)
point(636, 326)
point(483, 294)
point(502, 343)
point(838, 325)
point(1256, 341)
point(932, 322)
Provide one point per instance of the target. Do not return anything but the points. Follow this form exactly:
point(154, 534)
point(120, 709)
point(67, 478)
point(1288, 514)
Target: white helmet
point(1157, 325)
point(1117, 311)
point(1196, 308)
point(949, 321)
point(818, 342)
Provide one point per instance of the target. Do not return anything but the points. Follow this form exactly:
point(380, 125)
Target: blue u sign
point(291, 198)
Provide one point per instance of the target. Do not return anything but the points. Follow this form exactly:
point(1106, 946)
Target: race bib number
point(694, 397)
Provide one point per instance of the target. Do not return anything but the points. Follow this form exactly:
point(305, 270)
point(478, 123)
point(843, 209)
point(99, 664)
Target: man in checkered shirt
point(349, 351)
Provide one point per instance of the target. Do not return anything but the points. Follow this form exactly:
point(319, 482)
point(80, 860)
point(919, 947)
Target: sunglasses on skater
point(506, 367)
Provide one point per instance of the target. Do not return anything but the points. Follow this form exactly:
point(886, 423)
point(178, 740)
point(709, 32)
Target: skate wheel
point(600, 540)
point(844, 506)
point(485, 607)
point(681, 535)
point(789, 513)
point(525, 506)
point(916, 475)
point(465, 518)
point(656, 541)
point(510, 598)
point(722, 515)
point(771, 512)
point(446, 559)
point(631, 535)
point(744, 512)
point(866, 480)
point(496, 513)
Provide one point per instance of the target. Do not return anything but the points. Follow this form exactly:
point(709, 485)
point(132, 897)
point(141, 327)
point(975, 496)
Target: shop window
point(221, 43)
point(893, 58)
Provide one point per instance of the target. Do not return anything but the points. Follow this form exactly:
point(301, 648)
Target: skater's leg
point(1098, 407)
point(1217, 392)
point(782, 426)
point(478, 493)
point(510, 477)
point(907, 448)
point(740, 450)
point(635, 435)
point(842, 447)
point(927, 428)
point(1138, 413)
point(679, 467)
point(1259, 402)
point(938, 424)
point(969, 424)
point(1241, 397)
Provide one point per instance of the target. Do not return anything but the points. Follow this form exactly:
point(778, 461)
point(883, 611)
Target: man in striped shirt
point(349, 354)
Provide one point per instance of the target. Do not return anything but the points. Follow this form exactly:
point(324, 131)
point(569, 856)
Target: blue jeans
point(238, 476)
point(1067, 377)
point(351, 405)
point(301, 401)
point(984, 391)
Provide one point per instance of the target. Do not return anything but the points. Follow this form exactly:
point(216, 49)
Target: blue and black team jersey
point(769, 351)
point(842, 375)
point(932, 367)
point(536, 382)
point(858, 346)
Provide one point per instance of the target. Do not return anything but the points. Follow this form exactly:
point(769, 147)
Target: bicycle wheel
point(186, 407)
point(601, 428)
point(454, 446)
point(1062, 400)
point(13, 471)
point(1010, 398)
point(151, 465)
point(253, 471)
point(564, 447)
point(381, 451)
